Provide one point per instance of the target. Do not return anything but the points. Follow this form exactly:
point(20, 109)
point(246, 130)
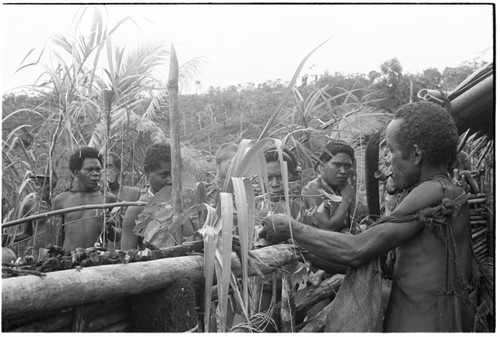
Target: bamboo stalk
point(477, 200)
point(479, 233)
point(476, 229)
point(481, 251)
point(71, 209)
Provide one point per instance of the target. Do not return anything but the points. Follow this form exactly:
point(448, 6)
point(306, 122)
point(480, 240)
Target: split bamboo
point(71, 209)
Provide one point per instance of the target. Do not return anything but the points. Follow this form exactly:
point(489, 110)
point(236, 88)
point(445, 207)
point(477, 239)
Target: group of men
point(422, 140)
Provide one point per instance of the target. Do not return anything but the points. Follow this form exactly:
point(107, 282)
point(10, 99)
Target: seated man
point(330, 196)
point(422, 139)
point(83, 228)
point(157, 167)
point(38, 231)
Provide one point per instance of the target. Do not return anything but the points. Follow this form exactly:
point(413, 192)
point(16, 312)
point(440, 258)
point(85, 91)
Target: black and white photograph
point(254, 167)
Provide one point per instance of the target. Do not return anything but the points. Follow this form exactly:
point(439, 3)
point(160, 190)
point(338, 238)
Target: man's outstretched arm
point(339, 248)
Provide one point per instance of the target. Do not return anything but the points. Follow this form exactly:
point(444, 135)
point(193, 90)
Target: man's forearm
point(332, 246)
point(324, 264)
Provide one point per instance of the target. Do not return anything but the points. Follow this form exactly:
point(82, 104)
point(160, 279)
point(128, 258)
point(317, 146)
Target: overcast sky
point(255, 43)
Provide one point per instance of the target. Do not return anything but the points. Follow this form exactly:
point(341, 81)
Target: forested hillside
point(241, 111)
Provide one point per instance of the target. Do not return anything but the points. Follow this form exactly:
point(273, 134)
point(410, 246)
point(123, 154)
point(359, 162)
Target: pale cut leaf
point(210, 238)
point(226, 200)
point(235, 163)
point(244, 231)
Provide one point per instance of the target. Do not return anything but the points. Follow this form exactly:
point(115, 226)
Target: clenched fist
point(276, 227)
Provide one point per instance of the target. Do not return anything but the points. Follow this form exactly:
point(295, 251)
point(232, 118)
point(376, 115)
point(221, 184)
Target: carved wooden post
point(173, 90)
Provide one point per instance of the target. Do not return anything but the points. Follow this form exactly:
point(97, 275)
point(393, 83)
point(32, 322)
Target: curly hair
point(154, 155)
point(272, 155)
point(77, 158)
point(431, 127)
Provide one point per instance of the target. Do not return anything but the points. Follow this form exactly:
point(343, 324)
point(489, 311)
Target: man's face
point(276, 188)
point(338, 169)
point(405, 171)
point(90, 174)
point(161, 177)
point(112, 171)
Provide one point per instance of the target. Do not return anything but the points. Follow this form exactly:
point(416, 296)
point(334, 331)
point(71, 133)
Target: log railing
point(27, 295)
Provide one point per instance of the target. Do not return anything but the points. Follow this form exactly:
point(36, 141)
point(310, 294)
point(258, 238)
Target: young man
point(423, 140)
point(276, 184)
point(38, 231)
point(157, 167)
point(83, 228)
point(330, 196)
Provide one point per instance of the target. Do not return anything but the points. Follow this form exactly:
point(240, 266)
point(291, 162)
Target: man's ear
point(417, 153)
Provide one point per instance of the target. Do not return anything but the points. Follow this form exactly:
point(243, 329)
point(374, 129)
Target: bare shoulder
point(110, 198)
point(60, 199)
point(429, 193)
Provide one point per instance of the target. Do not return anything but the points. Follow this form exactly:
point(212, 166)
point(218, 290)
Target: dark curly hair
point(77, 158)
point(431, 127)
point(271, 155)
point(334, 147)
point(154, 155)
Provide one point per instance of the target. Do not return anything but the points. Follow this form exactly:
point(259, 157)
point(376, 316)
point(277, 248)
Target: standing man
point(330, 196)
point(422, 139)
point(83, 228)
point(158, 169)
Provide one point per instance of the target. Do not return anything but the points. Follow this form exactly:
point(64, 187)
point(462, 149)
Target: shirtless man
point(423, 140)
point(83, 228)
point(336, 167)
point(157, 167)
